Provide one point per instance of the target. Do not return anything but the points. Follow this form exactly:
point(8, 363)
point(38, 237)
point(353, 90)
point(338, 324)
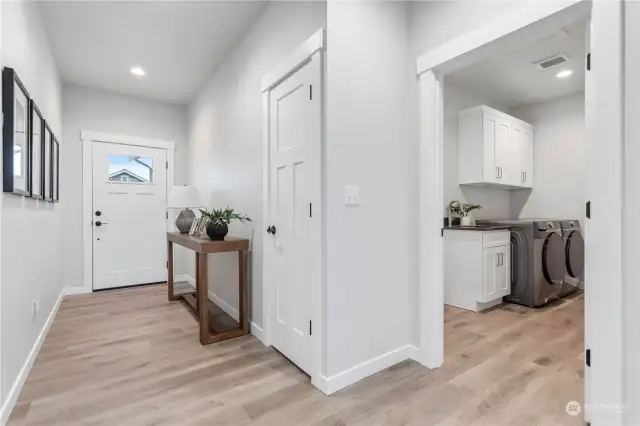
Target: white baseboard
point(227, 308)
point(70, 291)
point(14, 393)
point(256, 330)
point(329, 385)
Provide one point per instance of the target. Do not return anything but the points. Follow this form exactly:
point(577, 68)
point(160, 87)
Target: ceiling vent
point(552, 61)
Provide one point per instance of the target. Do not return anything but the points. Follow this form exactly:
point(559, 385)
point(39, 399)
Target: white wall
point(496, 203)
point(31, 236)
point(225, 135)
point(100, 111)
point(559, 160)
point(371, 249)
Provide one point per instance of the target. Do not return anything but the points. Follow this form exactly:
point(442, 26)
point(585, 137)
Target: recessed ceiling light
point(138, 72)
point(564, 73)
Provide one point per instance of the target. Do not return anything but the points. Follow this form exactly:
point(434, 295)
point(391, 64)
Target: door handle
point(271, 230)
point(98, 223)
point(98, 213)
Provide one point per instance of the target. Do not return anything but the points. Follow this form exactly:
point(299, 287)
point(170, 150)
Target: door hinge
point(310, 210)
point(310, 92)
point(588, 61)
point(588, 212)
point(167, 164)
point(167, 264)
point(442, 232)
point(310, 329)
point(588, 357)
point(167, 215)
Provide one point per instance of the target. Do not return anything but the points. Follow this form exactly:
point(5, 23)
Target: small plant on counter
point(217, 221)
point(456, 209)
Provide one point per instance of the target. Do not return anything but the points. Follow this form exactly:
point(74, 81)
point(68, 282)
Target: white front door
point(294, 176)
point(129, 222)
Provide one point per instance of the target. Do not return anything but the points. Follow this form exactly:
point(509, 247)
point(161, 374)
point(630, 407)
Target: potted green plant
point(217, 221)
point(467, 208)
point(462, 210)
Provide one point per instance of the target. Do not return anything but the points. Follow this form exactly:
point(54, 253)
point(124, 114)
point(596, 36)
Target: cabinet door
point(527, 159)
point(502, 152)
point(489, 132)
point(521, 156)
point(496, 280)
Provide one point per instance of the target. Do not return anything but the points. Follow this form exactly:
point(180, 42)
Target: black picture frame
point(15, 135)
point(47, 157)
point(37, 152)
point(55, 170)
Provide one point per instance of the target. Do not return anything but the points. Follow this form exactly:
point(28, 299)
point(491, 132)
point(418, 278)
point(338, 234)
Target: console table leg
point(244, 305)
point(170, 294)
point(203, 298)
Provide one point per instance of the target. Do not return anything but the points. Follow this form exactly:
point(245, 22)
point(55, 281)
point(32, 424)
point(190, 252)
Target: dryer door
point(553, 259)
point(574, 252)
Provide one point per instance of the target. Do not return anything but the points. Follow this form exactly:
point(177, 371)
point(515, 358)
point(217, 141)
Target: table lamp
point(183, 197)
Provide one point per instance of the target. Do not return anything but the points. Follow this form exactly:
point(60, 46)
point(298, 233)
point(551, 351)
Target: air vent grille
point(551, 62)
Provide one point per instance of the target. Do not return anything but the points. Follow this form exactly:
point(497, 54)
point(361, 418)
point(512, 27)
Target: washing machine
point(537, 260)
point(574, 256)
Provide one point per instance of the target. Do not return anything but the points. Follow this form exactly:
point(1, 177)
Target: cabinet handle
point(498, 259)
point(525, 176)
point(497, 172)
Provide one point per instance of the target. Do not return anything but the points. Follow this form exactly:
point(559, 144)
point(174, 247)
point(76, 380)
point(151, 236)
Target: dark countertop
point(484, 228)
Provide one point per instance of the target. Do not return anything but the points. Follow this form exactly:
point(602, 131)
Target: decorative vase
point(217, 232)
point(465, 221)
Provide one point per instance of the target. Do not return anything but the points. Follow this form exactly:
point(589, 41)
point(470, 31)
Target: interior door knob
point(98, 213)
point(271, 230)
point(98, 223)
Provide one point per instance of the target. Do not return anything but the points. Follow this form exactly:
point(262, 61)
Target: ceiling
point(178, 44)
point(510, 78)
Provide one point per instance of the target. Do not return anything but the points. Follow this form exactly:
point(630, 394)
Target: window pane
point(130, 169)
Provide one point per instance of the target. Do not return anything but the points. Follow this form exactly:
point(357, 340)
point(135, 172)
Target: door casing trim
point(310, 52)
point(88, 138)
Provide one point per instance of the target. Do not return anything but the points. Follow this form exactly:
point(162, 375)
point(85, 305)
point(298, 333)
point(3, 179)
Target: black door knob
point(98, 213)
point(271, 230)
point(98, 223)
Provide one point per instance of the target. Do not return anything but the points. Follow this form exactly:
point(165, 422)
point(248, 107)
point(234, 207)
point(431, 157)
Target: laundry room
point(514, 192)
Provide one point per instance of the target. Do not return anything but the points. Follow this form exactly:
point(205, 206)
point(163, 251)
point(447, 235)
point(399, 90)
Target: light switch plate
point(351, 197)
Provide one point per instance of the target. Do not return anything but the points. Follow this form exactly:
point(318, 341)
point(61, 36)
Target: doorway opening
point(537, 263)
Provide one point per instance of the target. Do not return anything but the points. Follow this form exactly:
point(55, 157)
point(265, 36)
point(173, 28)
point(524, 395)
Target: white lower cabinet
point(477, 268)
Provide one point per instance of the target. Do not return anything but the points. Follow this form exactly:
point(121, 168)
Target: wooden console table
point(198, 300)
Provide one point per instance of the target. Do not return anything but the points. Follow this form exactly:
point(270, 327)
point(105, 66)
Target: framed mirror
point(55, 170)
point(46, 169)
point(37, 147)
point(16, 138)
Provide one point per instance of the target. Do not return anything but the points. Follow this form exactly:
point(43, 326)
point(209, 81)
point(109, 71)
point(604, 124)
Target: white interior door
point(294, 176)
point(129, 222)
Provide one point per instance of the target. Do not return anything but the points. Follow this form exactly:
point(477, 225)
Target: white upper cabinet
point(494, 149)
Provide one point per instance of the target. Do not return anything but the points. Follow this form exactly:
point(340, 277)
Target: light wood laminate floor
point(130, 358)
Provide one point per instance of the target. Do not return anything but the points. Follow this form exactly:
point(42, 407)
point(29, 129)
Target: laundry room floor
point(128, 357)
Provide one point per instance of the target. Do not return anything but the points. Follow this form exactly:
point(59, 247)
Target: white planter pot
point(465, 221)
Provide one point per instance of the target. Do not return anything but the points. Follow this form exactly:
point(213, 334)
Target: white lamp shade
point(182, 197)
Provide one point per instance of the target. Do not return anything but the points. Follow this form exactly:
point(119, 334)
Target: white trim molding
point(478, 43)
point(14, 393)
point(88, 138)
point(295, 60)
point(332, 384)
